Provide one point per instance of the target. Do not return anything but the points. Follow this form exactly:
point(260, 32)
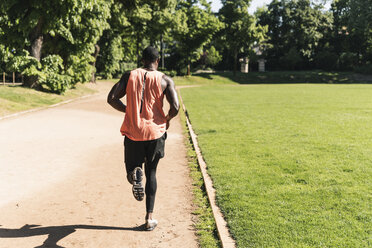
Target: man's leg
point(130, 168)
point(154, 151)
point(133, 156)
point(151, 185)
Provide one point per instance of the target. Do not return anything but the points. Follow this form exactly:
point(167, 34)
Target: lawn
point(276, 77)
point(17, 98)
point(292, 163)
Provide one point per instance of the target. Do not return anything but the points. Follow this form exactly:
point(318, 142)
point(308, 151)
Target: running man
point(145, 124)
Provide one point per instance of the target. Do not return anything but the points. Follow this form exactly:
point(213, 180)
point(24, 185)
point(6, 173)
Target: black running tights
point(151, 185)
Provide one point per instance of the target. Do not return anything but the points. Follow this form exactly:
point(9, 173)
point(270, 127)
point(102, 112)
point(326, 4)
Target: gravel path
point(62, 182)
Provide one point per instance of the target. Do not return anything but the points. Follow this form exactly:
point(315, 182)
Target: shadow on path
point(56, 233)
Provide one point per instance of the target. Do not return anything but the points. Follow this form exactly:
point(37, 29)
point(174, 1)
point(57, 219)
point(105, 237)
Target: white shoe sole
point(151, 224)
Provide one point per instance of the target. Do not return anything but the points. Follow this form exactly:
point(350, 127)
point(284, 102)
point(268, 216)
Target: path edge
point(222, 230)
point(46, 107)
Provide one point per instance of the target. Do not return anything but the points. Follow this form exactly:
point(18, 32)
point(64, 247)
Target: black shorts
point(135, 152)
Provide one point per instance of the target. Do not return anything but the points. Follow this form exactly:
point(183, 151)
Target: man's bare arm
point(171, 95)
point(117, 92)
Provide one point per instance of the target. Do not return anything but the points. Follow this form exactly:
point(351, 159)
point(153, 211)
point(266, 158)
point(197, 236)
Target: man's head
point(150, 55)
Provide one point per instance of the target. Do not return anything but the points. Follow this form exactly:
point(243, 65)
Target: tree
point(240, 31)
point(200, 26)
point(212, 56)
point(68, 29)
point(353, 27)
point(294, 26)
point(134, 25)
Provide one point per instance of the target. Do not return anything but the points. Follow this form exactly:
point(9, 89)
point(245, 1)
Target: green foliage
point(133, 26)
point(291, 34)
point(299, 25)
point(200, 25)
point(212, 56)
point(22, 62)
point(55, 80)
point(360, 27)
point(326, 60)
point(80, 68)
point(110, 56)
point(364, 69)
point(292, 59)
point(347, 61)
point(209, 58)
point(4, 57)
point(171, 73)
point(67, 29)
point(241, 30)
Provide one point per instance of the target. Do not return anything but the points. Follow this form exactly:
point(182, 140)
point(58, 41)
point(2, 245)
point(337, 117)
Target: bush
point(347, 61)
point(170, 73)
point(50, 74)
point(26, 65)
point(210, 57)
point(326, 60)
point(55, 80)
point(111, 53)
point(291, 59)
point(80, 68)
point(182, 71)
point(4, 57)
point(364, 69)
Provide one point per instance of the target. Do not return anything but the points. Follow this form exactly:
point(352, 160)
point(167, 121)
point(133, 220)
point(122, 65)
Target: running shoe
point(130, 178)
point(151, 224)
point(137, 189)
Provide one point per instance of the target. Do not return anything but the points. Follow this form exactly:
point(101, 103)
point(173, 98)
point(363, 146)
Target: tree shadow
point(56, 233)
point(206, 75)
point(292, 77)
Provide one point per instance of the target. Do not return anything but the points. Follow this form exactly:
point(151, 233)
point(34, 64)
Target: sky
point(216, 5)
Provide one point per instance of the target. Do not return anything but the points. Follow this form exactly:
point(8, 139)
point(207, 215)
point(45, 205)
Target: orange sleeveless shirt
point(150, 123)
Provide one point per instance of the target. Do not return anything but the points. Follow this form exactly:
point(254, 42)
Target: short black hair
point(150, 54)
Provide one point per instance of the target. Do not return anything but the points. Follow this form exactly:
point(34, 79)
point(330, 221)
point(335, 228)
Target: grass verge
point(292, 164)
point(204, 220)
point(17, 98)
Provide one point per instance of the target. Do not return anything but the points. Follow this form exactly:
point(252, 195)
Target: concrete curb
point(46, 107)
point(223, 232)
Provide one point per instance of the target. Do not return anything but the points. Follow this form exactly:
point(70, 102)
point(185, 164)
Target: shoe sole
point(137, 189)
point(151, 228)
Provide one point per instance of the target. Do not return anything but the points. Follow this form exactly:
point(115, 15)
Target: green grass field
point(16, 98)
point(276, 77)
point(292, 164)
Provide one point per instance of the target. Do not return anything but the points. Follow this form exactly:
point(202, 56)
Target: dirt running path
point(62, 182)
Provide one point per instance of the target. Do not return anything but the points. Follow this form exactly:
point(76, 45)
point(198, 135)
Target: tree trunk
point(36, 46)
point(96, 52)
point(36, 38)
point(162, 51)
point(235, 60)
point(138, 56)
